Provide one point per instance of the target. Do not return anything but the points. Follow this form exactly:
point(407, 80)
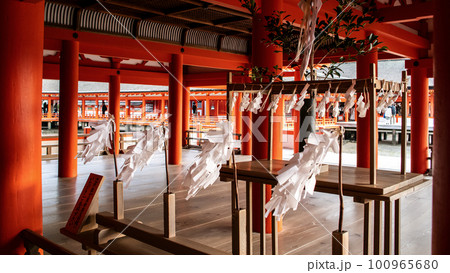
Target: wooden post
point(262, 234)
point(249, 218)
point(118, 200)
point(373, 126)
point(169, 215)
point(397, 228)
point(239, 232)
point(377, 228)
point(340, 243)
point(404, 122)
point(340, 237)
point(274, 235)
point(387, 227)
point(367, 230)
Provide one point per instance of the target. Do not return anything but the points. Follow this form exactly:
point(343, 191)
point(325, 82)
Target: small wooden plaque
point(83, 214)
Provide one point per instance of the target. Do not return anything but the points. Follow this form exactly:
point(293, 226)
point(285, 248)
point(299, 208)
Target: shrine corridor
point(206, 218)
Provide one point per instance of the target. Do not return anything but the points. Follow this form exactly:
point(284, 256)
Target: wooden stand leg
point(340, 243)
point(377, 229)
point(387, 227)
point(262, 242)
point(249, 218)
point(367, 232)
point(274, 236)
point(397, 227)
point(118, 200)
point(169, 215)
point(238, 232)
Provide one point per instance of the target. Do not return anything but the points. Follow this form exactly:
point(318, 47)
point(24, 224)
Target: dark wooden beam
point(176, 16)
point(86, 4)
point(183, 9)
point(229, 20)
point(220, 9)
point(408, 13)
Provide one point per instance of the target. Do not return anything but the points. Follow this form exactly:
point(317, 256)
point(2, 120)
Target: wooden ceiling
point(188, 14)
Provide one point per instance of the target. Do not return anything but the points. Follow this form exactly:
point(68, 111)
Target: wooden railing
point(34, 241)
point(49, 148)
point(195, 139)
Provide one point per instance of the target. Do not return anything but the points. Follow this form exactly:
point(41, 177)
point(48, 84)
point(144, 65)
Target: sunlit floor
point(206, 218)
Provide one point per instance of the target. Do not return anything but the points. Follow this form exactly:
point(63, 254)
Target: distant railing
point(48, 150)
point(195, 139)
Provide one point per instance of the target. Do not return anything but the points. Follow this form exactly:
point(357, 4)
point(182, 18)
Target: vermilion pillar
point(247, 132)
point(163, 108)
point(186, 113)
point(50, 108)
point(441, 171)
point(264, 56)
point(68, 117)
point(114, 107)
point(363, 125)
point(419, 120)
point(175, 109)
point(296, 116)
point(22, 31)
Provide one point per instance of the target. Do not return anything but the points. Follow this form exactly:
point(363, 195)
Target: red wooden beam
point(100, 74)
point(408, 13)
point(421, 63)
point(206, 79)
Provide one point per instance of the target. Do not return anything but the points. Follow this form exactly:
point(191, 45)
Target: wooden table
point(390, 187)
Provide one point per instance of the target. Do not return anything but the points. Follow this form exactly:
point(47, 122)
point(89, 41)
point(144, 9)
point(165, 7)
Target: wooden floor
point(206, 218)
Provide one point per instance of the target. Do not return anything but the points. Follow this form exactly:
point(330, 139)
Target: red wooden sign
point(84, 203)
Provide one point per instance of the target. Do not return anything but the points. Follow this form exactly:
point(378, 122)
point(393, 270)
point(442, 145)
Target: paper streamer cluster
point(362, 106)
point(244, 102)
point(140, 154)
point(298, 177)
point(310, 9)
point(349, 97)
point(215, 151)
point(98, 139)
point(255, 105)
point(387, 99)
point(321, 108)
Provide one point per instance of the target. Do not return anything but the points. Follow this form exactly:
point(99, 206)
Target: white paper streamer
point(140, 154)
point(336, 107)
point(383, 103)
point(362, 106)
point(274, 103)
point(215, 150)
point(349, 97)
point(301, 100)
point(245, 102)
point(290, 104)
point(323, 103)
point(298, 177)
point(233, 101)
point(98, 139)
point(255, 105)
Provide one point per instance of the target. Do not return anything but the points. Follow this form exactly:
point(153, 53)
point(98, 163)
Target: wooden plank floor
point(206, 218)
